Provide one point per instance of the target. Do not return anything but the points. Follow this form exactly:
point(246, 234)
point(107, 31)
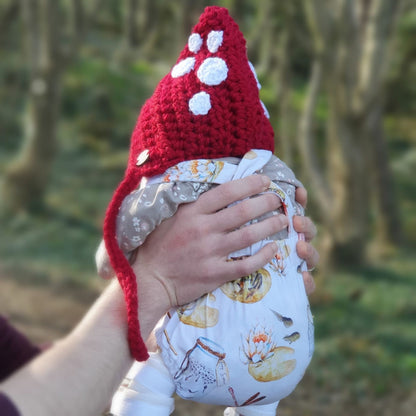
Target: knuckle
point(309, 228)
point(193, 233)
point(198, 251)
point(302, 250)
point(273, 201)
point(280, 222)
point(314, 255)
point(243, 210)
point(308, 250)
point(274, 224)
point(267, 253)
point(269, 202)
point(255, 182)
point(203, 229)
point(205, 271)
point(247, 236)
point(299, 223)
point(242, 268)
point(262, 182)
point(226, 191)
point(310, 254)
point(307, 224)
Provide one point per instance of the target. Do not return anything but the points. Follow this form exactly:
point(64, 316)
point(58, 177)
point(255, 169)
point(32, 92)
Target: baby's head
point(206, 107)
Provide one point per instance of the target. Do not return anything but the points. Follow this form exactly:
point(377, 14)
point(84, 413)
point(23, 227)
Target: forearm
point(79, 374)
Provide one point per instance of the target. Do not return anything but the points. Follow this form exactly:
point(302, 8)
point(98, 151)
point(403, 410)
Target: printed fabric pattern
point(251, 340)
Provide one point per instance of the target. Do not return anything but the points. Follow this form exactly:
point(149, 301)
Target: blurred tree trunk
point(150, 26)
point(185, 15)
point(236, 9)
point(388, 227)
point(350, 42)
point(131, 27)
point(279, 68)
point(263, 34)
point(280, 75)
point(306, 139)
point(8, 13)
point(142, 26)
point(26, 178)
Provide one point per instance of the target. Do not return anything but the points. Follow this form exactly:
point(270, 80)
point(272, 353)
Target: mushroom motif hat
point(206, 107)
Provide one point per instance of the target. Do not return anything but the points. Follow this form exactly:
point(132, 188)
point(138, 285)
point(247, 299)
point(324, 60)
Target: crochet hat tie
point(208, 106)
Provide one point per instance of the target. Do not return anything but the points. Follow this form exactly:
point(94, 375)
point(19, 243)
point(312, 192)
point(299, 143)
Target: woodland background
point(338, 78)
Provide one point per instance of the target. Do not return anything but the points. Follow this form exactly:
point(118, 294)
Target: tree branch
point(30, 21)
point(77, 32)
point(319, 20)
point(381, 18)
point(8, 14)
point(307, 145)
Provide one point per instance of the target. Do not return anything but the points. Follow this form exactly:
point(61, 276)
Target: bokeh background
point(338, 78)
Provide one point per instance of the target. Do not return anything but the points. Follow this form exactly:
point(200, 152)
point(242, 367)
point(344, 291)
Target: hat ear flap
point(124, 271)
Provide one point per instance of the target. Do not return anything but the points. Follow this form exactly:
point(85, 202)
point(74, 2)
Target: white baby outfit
point(245, 345)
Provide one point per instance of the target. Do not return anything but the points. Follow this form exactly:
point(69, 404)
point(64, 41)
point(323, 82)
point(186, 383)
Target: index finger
point(233, 191)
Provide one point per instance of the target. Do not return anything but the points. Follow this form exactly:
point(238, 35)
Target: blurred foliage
point(364, 318)
point(102, 103)
point(364, 329)
point(401, 90)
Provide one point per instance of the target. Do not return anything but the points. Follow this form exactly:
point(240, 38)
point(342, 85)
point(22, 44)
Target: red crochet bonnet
point(206, 107)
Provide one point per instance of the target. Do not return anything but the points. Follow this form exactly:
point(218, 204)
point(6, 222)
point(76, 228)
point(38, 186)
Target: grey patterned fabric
point(145, 208)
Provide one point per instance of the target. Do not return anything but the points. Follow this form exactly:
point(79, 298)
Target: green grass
point(365, 332)
point(59, 243)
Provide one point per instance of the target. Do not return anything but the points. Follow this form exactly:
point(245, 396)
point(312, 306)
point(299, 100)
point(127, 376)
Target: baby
point(247, 344)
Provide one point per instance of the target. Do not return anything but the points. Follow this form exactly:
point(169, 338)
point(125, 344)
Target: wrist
point(105, 323)
point(154, 302)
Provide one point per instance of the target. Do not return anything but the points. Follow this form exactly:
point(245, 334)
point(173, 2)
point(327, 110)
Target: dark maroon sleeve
point(7, 408)
point(15, 349)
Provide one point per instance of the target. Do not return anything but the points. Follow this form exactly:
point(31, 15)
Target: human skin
point(79, 374)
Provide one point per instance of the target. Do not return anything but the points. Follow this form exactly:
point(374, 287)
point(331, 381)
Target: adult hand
point(304, 249)
point(186, 256)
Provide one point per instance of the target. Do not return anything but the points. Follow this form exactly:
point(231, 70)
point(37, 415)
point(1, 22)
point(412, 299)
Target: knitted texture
point(208, 106)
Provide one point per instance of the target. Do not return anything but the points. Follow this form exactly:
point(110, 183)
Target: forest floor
point(46, 312)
